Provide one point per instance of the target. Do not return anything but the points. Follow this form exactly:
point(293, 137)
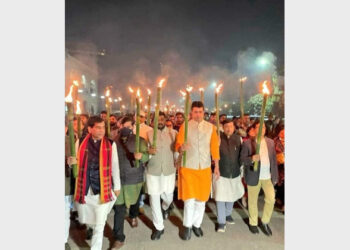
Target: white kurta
point(227, 189)
point(156, 185)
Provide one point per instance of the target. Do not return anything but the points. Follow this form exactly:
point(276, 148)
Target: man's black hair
point(93, 120)
point(103, 112)
point(126, 119)
point(180, 113)
point(222, 115)
point(212, 113)
point(197, 104)
point(226, 121)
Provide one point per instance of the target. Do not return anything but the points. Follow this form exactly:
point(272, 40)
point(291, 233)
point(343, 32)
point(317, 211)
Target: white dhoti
point(227, 189)
point(193, 213)
point(160, 187)
point(68, 205)
point(94, 214)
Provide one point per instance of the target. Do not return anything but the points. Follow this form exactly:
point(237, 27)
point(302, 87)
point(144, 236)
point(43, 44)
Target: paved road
point(236, 237)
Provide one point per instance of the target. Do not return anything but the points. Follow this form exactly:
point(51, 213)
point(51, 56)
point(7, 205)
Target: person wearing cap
point(144, 128)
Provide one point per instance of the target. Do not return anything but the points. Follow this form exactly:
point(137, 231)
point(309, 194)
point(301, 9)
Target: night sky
point(189, 35)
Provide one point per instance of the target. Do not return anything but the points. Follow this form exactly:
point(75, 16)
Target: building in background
point(81, 65)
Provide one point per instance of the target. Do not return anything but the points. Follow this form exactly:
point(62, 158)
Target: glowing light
point(78, 112)
point(80, 91)
point(69, 97)
point(183, 93)
point(115, 100)
point(75, 82)
point(110, 99)
point(120, 99)
point(189, 88)
point(201, 89)
point(161, 82)
point(243, 79)
point(107, 92)
point(149, 91)
point(131, 90)
point(102, 97)
point(218, 88)
point(93, 94)
point(265, 88)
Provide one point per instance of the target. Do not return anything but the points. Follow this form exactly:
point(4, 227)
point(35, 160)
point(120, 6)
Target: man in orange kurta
point(194, 180)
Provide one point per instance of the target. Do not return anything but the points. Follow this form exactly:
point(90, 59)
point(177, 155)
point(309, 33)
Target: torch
point(201, 91)
point(108, 112)
point(137, 140)
point(167, 107)
point(266, 92)
point(217, 90)
point(149, 107)
point(156, 115)
point(187, 110)
point(78, 113)
point(69, 103)
point(242, 80)
point(131, 100)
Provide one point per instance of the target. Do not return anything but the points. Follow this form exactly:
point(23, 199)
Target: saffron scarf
point(105, 159)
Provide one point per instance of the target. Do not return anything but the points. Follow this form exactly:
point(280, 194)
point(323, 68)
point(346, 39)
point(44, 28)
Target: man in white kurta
point(194, 183)
point(93, 212)
point(160, 174)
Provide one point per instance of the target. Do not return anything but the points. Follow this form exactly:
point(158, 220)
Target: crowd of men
point(111, 175)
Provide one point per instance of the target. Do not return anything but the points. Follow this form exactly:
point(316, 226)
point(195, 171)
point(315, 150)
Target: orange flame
point(138, 92)
point(201, 89)
point(78, 112)
point(183, 93)
point(69, 97)
point(110, 99)
point(265, 89)
point(107, 92)
point(140, 100)
point(189, 88)
point(120, 99)
point(243, 79)
point(161, 82)
point(167, 102)
point(218, 88)
point(75, 82)
point(131, 90)
point(149, 91)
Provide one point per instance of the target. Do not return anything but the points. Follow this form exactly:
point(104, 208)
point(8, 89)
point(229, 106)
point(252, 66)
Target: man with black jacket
point(228, 188)
point(265, 177)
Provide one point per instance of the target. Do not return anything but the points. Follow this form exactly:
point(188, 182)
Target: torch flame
point(161, 82)
point(265, 88)
point(107, 92)
point(243, 79)
point(167, 102)
point(78, 112)
point(140, 100)
point(131, 90)
point(189, 88)
point(120, 99)
point(182, 93)
point(75, 82)
point(201, 89)
point(218, 88)
point(69, 96)
point(149, 91)
point(138, 92)
point(110, 99)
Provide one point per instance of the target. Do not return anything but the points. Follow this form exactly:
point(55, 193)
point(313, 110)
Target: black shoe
point(253, 229)
point(156, 234)
point(186, 233)
point(89, 233)
point(229, 220)
point(197, 231)
point(166, 212)
point(266, 229)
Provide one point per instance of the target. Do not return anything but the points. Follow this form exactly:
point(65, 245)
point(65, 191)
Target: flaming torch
point(156, 115)
point(149, 107)
point(69, 103)
point(217, 90)
point(137, 140)
point(265, 92)
point(242, 80)
point(187, 110)
point(167, 107)
point(78, 113)
point(201, 91)
point(108, 92)
point(131, 99)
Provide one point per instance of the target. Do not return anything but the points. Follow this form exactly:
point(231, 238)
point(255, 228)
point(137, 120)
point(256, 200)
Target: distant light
point(213, 85)
point(80, 91)
point(262, 61)
point(119, 98)
point(225, 105)
point(93, 94)
point(115, 100)
point(102, 97)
